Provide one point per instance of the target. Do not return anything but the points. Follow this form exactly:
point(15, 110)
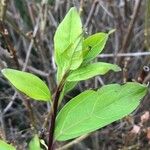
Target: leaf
point(5, 146)
point(35, 143)
point(92, 110)
point(70, 60)
point(77, 57)
point(91, 70)
point(94, 45)
point(111, 31)
point(28, 84)
point(68, 43)
point(67, 87)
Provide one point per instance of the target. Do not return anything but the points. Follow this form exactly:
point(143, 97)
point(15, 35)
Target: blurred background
point(26, 43)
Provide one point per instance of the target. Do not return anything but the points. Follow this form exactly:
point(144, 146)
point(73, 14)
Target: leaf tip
point(3, 71)
point(118, 69)
point(111, 31)
point(73, 9)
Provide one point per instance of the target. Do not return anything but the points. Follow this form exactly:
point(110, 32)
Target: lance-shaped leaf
point(68, 42)
point(5, 146)
point(28, 84)
point(91, 70)
point(93, 45)
point(35, 143)
point(92, 110)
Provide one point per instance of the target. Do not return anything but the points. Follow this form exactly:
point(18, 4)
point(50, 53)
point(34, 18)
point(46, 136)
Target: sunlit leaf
point(92, 110)
point(92, 70)
point(5, 146)
point(93, 45)
point(35, 143)
point(28, 84)
point(68, 43)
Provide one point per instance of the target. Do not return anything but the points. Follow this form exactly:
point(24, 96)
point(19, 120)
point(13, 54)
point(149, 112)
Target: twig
point(137, 54)
point(30, 111)
point(70, 144)
point(52, 19)
point(54, 112)
point(91, 12)
point(106, 10)
point(125, 69)
point(81, 6)
point(130, 27)
point(3, 8)
point(15, 27)
point(37, 71)
point(10, 46)
point(43, 16)
point(10, 103)
point(2, 128)
point(30, 46)
point(4, 32)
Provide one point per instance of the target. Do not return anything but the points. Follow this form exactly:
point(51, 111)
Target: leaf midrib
point(91, 115)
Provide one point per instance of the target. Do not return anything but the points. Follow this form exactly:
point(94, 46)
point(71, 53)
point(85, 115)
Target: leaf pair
point(71, 50)
point(86, 72)
point(74, 53)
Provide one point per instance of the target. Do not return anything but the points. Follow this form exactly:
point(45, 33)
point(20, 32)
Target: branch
point(3, 8)
point(54, 111)
point(70, 144)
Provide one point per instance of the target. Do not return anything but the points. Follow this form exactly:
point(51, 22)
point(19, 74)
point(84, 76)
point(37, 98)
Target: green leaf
point(35, 143)
point(92, 110)
point(67, 87)
point(111, 31)
point(28, 84)
point(72, 57)
point(68, 43)
point(5, 146)
point(91, 70)
point(94, 45)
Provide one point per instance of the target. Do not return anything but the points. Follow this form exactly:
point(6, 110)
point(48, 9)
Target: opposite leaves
point(28, 84)
point(72, 52)
point(92, 110)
